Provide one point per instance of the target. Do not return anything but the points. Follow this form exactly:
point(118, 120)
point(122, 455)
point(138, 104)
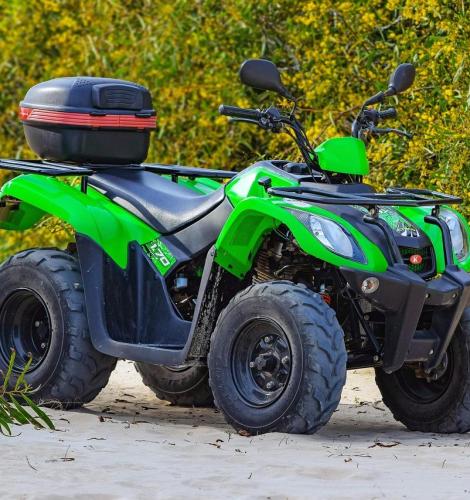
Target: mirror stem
point(285, 93)
point(293, 110)
point(379, 97)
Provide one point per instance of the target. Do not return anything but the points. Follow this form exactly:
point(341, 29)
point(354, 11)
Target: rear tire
point(442, 405)
point(185, 386)
point(277, 360)
point(42, 312)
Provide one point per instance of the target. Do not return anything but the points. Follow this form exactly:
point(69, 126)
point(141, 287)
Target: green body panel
point(256, 214)
point(417, 215)
point(464, 264)
point(345, 155)
point(22, 218)
point(91, 214)
point(246, 185)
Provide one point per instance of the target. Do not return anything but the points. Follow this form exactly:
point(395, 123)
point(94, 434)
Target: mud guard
point(130, 313)
point(142, 324)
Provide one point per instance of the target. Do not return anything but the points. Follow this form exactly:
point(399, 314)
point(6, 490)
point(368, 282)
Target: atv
point(256, 289)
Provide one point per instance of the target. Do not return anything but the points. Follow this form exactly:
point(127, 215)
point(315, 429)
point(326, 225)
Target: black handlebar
point(387, 113)
point(273, 120)
point(374, 116)
point(234, 111)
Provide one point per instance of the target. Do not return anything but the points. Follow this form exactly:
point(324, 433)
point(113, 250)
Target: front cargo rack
point(403, 197)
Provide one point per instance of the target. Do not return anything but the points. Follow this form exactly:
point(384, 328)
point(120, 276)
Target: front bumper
point(402, 295)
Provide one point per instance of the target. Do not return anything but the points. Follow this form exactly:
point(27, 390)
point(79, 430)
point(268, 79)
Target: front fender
point(253, 218)
point(90, 214)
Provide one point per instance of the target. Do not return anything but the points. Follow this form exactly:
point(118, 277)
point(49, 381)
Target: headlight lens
point(399, 224)
point(335, 238)
point(458, 233)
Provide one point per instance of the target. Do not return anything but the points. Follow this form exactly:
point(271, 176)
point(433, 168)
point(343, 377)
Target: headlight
point(335, 238)
point(458, 233)
point(399, 224)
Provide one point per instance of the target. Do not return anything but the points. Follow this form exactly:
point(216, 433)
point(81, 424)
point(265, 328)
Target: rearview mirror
point(263, 75)
point(401, 79)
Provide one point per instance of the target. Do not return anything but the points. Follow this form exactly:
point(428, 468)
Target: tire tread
point(326, 364)
point(457, 417)
point(82, 371)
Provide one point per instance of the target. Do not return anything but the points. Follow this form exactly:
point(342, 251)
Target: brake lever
point(246, 120)
point(379, 131)
point(404, 133)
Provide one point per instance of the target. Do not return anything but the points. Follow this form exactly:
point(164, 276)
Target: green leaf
point(40, 413)
point(25, 415)
point(20, 380)
point(12, 412)
point(5, 423)
point(16, 407)
point(9, 371)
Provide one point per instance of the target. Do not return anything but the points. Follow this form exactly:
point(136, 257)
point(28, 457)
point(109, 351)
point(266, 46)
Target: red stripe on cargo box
point(85, 119)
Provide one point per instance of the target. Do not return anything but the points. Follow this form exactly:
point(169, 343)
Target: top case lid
point(86, 94)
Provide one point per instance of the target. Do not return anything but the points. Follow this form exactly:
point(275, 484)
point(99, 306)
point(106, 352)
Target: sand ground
point(128, 444)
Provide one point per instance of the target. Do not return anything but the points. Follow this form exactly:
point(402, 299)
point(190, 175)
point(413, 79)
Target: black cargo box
point(88, 120)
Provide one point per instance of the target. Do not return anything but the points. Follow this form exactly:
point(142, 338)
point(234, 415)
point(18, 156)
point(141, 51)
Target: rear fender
point(254, 218)
point(90, 214)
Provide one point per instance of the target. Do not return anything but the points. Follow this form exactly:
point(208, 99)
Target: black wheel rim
point(426, 391)
point(25, 327)
point(261, 362)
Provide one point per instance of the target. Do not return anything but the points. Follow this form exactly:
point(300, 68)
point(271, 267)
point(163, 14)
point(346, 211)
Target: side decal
point(160, 255)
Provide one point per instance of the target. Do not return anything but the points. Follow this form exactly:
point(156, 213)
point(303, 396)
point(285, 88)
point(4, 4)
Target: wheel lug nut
point(268, 339)
point(252, 364)
point(285, 360)
point(43, 345)
point(37, 323)
point(270, 385)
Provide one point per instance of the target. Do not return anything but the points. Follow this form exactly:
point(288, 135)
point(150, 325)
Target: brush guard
point(403, 295)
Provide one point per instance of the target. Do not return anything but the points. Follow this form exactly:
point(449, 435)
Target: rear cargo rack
point(402, 197)
point(41, 167)
point(177, 171)
point(56, 169)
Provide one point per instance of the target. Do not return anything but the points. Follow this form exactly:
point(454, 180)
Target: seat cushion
point(165, 205)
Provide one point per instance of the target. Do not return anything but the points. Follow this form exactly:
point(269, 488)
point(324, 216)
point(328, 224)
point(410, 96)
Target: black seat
point(161, 203)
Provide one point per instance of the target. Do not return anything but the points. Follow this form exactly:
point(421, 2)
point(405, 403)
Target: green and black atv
point(255, 290)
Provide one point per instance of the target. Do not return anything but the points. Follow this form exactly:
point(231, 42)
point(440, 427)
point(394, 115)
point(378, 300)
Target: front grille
point(427, 267)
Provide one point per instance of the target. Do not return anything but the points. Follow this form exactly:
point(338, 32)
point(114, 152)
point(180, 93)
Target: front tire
point(43, 314)
point(441, 405)
point(277, 360)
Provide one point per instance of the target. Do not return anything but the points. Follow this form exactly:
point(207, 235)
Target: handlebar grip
point(387, 113)
point(234, 111)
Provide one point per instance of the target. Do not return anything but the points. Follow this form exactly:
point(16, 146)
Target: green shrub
point(333, 53)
